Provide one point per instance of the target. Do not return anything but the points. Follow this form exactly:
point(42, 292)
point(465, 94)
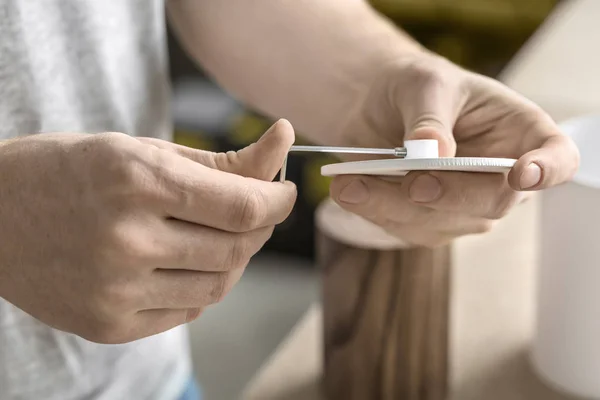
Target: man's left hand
point(471, 116)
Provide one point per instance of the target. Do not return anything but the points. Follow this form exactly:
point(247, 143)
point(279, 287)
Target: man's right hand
point(115, 238)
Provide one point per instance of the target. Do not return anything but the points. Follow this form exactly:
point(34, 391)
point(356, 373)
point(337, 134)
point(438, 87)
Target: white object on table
point(566, 348)
point(402, 166)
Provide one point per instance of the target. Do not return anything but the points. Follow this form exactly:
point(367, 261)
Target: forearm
point(310, 61)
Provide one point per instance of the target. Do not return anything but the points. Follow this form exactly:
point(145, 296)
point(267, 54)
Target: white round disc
point(400, 167)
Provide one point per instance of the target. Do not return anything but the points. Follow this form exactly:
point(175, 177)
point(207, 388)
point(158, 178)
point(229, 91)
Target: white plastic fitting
point(422, 148)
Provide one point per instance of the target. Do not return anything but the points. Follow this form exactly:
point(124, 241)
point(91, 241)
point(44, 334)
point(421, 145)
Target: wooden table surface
point(493, 281)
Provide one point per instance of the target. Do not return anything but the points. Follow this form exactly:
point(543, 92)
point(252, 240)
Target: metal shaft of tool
point(396, 152)
point(283, 170)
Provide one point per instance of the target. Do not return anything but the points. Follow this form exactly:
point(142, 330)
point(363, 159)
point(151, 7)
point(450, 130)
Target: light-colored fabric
point(85, 66)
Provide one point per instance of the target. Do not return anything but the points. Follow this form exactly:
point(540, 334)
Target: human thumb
point(261, 160)
point(432, 115)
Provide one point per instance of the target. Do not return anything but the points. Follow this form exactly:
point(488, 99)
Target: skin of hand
point(344, 75)
point(115, 238)
point(470, 115)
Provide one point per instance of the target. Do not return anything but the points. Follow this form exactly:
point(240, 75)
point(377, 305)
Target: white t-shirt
point(84, 66)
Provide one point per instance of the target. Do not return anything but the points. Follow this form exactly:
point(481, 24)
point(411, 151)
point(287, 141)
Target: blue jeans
point(192, 391)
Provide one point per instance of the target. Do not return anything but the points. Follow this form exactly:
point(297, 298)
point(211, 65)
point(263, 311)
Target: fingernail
point(425, 188)
point(531, 176)
point(356, 192)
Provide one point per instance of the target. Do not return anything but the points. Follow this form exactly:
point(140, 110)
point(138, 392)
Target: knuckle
point(124, 245)
point(108, 146)
point(123, 167)
point(431, 75)
point(250, 210)
point(107, 143)
point(109, 159)
point(110, 137)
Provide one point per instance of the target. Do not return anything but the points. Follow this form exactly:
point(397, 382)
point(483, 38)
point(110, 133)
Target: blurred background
point(235, 337)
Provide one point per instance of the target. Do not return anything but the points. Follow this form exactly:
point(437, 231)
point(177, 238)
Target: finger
point(194, 193)
point(375, 199)
point(555, 162)
point(478, 195)
point(260, 160)
point(432, 112)
point(263, 159)
point(189, 289)
point(201, 248)
point(415, 225)
point(386, 203)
